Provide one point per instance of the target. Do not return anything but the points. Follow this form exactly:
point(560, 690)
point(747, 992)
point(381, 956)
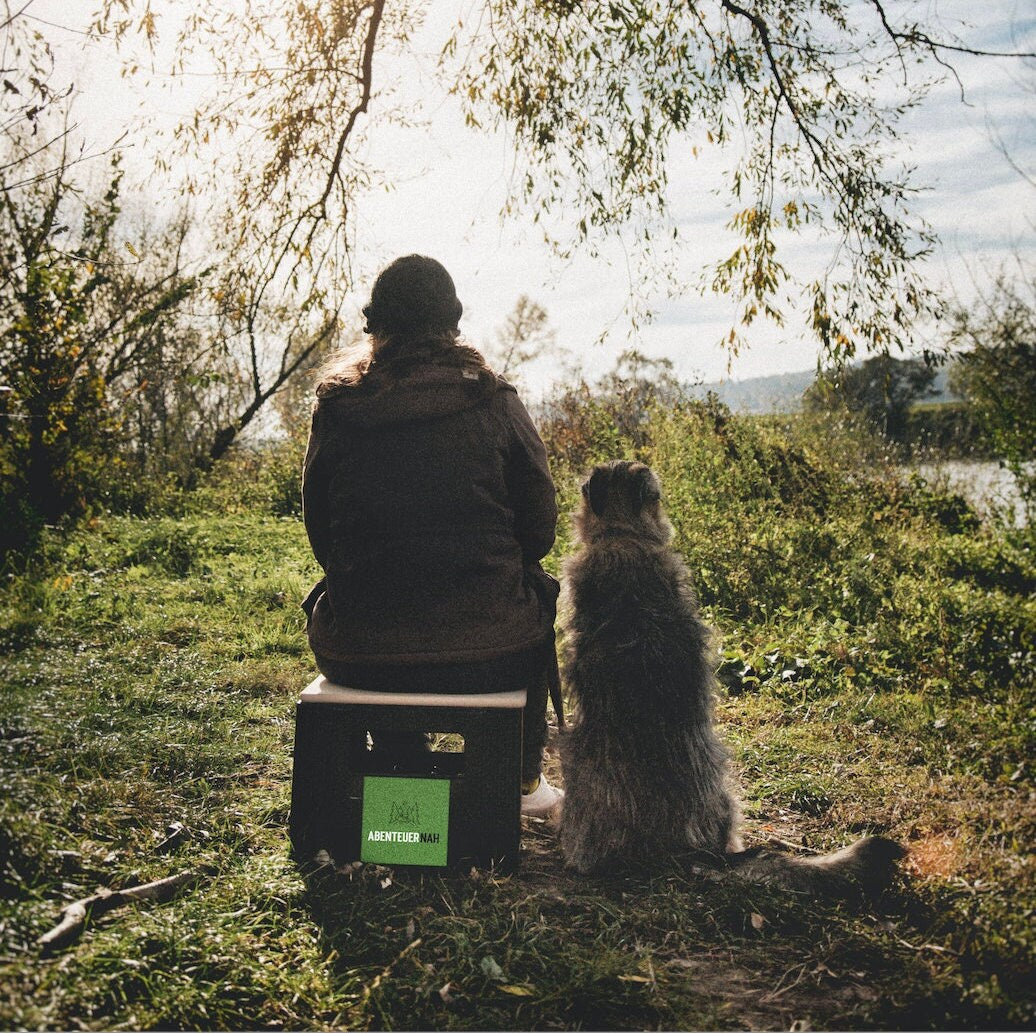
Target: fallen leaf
point(490, 969)
point(757, 920)
point(444, 993)
point(515, 990)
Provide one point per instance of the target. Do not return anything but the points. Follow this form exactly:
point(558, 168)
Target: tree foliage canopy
point(27, 90)
point(880, 389)
point(995, 370)
point(806, 96)
point(808, 93)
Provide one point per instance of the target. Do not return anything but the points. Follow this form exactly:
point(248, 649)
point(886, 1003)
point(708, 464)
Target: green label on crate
point(405, 820)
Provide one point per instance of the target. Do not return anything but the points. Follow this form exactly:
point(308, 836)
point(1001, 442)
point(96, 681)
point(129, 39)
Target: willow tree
point(28, 91)
point(273, 154)
point(807, 96)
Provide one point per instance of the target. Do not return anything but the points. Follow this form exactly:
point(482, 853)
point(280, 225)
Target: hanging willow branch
point(806, 98)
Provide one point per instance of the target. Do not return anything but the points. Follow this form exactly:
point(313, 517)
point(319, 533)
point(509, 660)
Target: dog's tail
point(863, 868)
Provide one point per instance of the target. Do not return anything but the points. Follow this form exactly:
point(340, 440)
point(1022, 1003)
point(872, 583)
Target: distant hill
point(782, 392)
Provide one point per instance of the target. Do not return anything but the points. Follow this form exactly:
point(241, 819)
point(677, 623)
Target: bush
point(264, 477)
point(948, 429)
point(819, 561)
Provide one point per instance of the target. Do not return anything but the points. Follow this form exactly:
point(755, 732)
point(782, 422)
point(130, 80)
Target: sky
point(449, 184)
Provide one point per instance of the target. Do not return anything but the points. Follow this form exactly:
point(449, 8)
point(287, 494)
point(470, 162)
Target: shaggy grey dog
point(645, 773)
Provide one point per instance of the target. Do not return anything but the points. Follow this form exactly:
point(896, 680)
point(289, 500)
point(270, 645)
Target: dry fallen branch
point(75, 916)
point(794, 847)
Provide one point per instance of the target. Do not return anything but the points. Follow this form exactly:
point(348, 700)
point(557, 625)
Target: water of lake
point(984, 483)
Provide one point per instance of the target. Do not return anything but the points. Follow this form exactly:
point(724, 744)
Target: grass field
point(878, 672)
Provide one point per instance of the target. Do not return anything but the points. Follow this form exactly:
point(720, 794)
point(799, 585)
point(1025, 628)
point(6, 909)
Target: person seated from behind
point(429, 505)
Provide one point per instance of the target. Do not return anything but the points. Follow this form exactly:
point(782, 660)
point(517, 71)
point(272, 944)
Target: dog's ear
point(645, 488)
point(595, 489)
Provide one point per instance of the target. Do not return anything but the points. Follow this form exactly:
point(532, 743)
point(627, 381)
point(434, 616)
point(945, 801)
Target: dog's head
point(622, 498)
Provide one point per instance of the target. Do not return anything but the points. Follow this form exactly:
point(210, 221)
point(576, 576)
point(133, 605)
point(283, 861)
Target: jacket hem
point(438, 656)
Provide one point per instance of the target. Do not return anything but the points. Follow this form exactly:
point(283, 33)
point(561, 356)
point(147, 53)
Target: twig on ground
point(798, 847)
point(75, 916)
point(782, 987)
point(175, 834)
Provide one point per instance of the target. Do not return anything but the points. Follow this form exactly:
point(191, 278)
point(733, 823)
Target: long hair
point(386, 358)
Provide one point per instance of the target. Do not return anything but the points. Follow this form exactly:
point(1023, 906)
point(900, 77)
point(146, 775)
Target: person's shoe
point(541, 802)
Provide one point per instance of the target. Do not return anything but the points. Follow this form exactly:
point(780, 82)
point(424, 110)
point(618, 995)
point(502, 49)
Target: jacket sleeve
point(532, 494)
point(315, 481)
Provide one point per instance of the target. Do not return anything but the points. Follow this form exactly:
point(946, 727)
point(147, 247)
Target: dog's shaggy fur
point(645, 773)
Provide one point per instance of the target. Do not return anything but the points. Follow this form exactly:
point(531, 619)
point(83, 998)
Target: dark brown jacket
point(428, 503)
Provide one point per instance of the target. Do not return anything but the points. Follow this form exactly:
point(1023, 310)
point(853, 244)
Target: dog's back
point(645, 774)
point(644, 770)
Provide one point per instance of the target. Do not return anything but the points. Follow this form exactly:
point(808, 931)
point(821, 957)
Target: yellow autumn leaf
point(515, 990)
